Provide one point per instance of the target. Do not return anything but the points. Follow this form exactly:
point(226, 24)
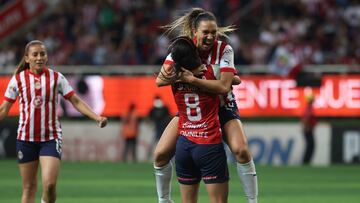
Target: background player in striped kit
point(201, 26)
point(39, 133)
point(199, 150)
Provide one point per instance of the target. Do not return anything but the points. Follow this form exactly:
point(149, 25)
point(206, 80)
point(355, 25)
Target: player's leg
point(237, 141)
point(28, 155)
point(218, 192)
point(49, 172)
point(187, 171)
point(189, 193)
point(211, 159)
point(50, 154)
point(163, 153)
point(28, 173)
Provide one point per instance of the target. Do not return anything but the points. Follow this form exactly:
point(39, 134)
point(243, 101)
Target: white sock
point(42, 201)
point(247, 175)
point(163, 177)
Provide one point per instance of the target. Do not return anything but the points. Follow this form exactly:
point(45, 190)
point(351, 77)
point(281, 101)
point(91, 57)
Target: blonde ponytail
point(185, 23)
point(191, 21)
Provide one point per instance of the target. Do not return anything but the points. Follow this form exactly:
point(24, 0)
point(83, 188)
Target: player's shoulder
point(224, 48)
point(224, 44)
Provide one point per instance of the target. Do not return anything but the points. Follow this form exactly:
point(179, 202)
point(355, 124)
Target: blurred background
point(110, 50)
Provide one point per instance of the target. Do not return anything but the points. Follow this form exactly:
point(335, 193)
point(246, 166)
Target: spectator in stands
point(324, 32)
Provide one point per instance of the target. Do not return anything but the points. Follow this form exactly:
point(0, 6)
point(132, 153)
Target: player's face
point(36, 57)
point(206, 34)
point(199, 71)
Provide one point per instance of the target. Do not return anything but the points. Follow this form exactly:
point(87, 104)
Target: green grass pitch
point(97, 182)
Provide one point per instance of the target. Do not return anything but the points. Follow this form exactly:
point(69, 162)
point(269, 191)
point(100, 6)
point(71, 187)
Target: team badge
point(20, 155)
point(38, 101)
point(37, 85)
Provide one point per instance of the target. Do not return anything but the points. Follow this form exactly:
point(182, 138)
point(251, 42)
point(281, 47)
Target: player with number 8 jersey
point(198, 112)
point(199, 150)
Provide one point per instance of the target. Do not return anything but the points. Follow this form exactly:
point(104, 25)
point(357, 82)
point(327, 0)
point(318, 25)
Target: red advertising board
point(256, 96)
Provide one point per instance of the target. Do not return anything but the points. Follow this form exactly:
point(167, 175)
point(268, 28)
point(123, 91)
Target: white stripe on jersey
point(43, 107)
point(32, 110)
point(25, 106)
point(57, 124)
point(52, 81)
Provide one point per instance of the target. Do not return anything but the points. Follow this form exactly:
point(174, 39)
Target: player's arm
point(221, 86)
point(165, 71)
point(83, 108)
point(4, 109)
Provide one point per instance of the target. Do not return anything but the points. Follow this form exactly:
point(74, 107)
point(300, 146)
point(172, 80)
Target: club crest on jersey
point(13, 88)
point(38, 101)
point(20, 155)
point(37, 85)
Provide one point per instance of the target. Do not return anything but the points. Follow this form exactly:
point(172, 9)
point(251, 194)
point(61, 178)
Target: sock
point(42, 201)
point(163, 177)
point(247, 175)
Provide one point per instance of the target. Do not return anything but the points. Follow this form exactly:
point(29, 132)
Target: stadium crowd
point(97, 32)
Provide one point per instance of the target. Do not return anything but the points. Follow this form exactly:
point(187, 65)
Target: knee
point(49, 188)
point(161, 158)
point(242, 154)
point(29, 189)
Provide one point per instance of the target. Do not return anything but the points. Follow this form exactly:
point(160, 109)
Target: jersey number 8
point(192, 102)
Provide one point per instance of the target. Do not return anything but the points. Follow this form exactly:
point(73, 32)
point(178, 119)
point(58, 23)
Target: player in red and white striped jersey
point(200, 154)
point(39, 132)
point(201, 26)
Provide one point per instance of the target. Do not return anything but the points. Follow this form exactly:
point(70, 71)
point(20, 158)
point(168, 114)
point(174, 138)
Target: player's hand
point(102, 122)
point(186, 76)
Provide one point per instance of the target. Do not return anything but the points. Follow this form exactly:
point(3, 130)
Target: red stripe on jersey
point(168, 62)
point(211, 72)
point(221, 51)
point(9, 100)
point(56, 75)
point(214, 53)
point(228, 69)
point(47, 98)
point(68, 95)
point(28, 95)
point(37, 112)
point(21, 101)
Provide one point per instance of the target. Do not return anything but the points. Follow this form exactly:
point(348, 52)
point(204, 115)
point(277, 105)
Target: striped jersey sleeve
point(64, 87)
point(227, 60)
point(12, 91)
point(168, 60)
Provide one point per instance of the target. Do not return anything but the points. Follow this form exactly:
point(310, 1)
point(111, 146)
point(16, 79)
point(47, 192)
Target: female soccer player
point(201, 26)
point(39, 133)
point(199, 150)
